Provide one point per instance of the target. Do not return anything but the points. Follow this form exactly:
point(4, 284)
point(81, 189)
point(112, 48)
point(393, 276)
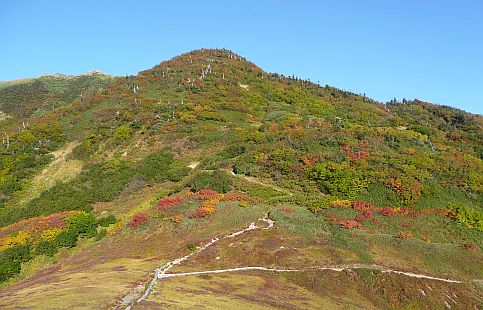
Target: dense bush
point(337, 180)
point(11, 260)
point(83, 224)
point(155, 167)
point(235, 150)
point(48, 247)
point(216, 180)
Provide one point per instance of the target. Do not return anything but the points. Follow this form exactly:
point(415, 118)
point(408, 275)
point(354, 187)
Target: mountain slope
point(24, 97)
point(200, 146)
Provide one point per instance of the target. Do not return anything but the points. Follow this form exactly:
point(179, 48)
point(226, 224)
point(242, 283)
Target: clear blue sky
point(427, 49)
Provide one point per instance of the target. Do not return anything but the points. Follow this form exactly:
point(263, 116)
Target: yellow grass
point(59, 170)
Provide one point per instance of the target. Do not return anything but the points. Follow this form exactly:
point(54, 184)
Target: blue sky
point(427, 49)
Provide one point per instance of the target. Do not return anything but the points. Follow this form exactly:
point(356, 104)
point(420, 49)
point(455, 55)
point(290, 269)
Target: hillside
point(206, 163)
point(25, 97)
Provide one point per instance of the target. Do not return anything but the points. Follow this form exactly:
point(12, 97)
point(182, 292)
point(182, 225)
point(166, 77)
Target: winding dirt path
point(255, 181)
point(161, 270)
point(337, 268)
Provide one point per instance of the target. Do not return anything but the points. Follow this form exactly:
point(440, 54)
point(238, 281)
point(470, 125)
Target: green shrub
point(67, 238)
point(48, 248)
point(191, 247)
point(11, 261)
point(106, 221)
point(216, 180)
point(83, 224)
point(469, 217)
point(101, 234)
point(122, 132)
point(9, 268)
point(337, 180)
point(235, 150)
point(155, 167)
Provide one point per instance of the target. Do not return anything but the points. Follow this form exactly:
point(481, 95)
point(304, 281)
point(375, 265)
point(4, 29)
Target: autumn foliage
point(138, 220)
point(360, 205)
point(233, 196)
point(205, 193)
point(470, 246)
point(349, 224)
point(387, 211)
point(176, 218)
point(404, 235)
point(408, 189)
point(167, 202)
point(360, 151)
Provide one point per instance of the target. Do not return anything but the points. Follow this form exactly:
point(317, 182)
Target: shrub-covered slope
point(36, 96)
point(331, 167)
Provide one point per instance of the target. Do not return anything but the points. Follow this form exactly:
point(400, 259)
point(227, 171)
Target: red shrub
point(167, 202)
point(208, 192)
point(387, 211)
point(349, 224)
point(360, 205)
point(368, 214)
point(470, 247)
point(205, 193)
point(359, 151)
point(137, 220)
point(365, 215)
point(360, 218)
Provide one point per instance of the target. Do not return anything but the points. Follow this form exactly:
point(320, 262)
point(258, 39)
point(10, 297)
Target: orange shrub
point(405, 235)
point(202, 212)
point(176, 218)
point(409, 189)
point(205, 193)
point(349, 224)
point(232, 196)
